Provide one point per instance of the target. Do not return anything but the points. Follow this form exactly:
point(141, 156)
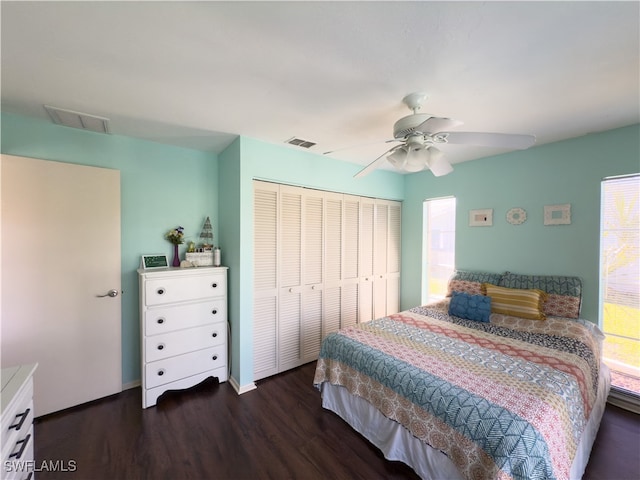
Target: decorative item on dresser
point(17, 421)
point(183, 322)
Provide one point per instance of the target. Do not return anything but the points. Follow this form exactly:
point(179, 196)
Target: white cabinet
point(322, 261)
point(183, 323)
point(17, 422)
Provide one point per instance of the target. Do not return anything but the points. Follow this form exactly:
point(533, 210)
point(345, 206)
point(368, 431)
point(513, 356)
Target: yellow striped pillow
point(516, 302)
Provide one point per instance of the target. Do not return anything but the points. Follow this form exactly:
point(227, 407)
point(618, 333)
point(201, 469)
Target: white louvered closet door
point(350, 261)
point(290, 255)
point(332, 305)
point(318, 256)
point(366, 263)
point(265, 298)
point(313, 274)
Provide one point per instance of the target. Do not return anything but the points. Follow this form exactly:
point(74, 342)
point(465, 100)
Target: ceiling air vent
point(84, 121)
point(298, 142)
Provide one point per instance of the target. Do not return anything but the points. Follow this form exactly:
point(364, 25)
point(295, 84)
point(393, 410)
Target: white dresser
point(17, 422)
point(183, 321)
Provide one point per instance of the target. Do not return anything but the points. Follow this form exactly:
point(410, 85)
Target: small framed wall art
point(481, 218)
point(516, 216)
point(557, 214)
point(154, 261)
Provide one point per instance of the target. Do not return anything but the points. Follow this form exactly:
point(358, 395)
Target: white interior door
point(60, 250)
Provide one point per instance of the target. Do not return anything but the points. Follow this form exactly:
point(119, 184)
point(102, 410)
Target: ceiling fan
point(420, 132)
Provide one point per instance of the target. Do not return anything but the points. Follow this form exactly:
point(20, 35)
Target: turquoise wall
point(563, 172)
point(164, 186)
point(161, 187)
point(248, 159)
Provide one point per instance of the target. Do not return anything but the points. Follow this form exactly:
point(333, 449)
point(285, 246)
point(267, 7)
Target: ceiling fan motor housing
point(406, 125)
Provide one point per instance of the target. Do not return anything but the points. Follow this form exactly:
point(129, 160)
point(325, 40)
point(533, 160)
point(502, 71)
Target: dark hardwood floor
point(278, 431)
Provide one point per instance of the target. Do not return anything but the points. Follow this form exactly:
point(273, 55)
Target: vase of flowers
point(176, 237)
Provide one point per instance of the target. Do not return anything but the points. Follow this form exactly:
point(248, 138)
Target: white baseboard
point(240, 390)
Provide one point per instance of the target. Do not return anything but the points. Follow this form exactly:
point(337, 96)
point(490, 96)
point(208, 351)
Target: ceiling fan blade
point(361, 145)
point(437, 124)
point(373, 165)
point(499, 140)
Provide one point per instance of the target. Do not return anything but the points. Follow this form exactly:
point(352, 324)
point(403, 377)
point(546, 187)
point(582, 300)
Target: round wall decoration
point(516, 216)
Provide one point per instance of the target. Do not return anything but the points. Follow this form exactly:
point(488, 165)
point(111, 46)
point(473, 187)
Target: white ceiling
point(197, 74)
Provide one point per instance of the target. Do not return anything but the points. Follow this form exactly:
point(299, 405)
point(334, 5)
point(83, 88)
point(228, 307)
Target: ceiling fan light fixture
point(398, 158)
point(417, 159)
point(437, 163)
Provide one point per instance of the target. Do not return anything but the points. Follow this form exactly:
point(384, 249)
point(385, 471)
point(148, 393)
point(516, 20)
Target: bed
point(502, 379)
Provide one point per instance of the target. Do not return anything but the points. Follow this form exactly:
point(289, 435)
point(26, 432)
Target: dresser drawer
point(175, 317)
point(174, 368)
point(161, 290)
point(183, 341)
point(17, 455)
point(19, 416)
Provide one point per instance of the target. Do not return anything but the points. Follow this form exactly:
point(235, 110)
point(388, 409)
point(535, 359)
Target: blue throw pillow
point(471, 307)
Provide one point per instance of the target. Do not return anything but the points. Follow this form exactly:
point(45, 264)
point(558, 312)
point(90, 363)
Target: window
point(620, 281)
point(439, 241)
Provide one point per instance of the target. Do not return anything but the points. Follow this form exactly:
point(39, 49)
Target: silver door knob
point(111, 293)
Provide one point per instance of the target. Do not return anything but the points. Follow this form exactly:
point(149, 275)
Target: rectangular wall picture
point(481, 218)
point(557, 214)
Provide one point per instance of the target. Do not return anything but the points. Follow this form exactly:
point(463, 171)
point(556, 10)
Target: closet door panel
point(289, 332)
point(312, 231)
point(333, 261)
point(290, 241)
point(333, 240)
point(380, 256)
point(350, 298)
point(332, 309)
point(380, 240)
point(351, 238)
point(311, 327)
point(394, 240)
point(393, 293)
point(265, 338)
point(349, 304)
point(265, 309)
point(313, 274)
point(366, 259)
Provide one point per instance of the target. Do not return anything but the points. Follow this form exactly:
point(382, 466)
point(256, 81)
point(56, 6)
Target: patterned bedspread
point(506, 399)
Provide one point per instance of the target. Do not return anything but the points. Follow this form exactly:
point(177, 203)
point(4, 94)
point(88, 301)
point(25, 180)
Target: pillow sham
point(516, 302)
point(470, 307)
point(564, 292)
point(470, 281)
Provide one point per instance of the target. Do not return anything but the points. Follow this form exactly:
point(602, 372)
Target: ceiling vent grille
point(84, 121)
point(298, 142)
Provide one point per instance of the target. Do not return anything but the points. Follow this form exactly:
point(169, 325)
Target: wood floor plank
point(278, 431)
